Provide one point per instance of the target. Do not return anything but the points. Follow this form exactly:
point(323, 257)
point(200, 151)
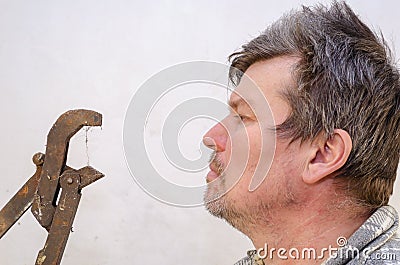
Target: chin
point(214, 200)
point(218, 202)
point(223, 208)
point(216, 207)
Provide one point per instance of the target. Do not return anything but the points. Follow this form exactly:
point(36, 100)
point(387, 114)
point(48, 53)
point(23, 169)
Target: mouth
point(212, 175)
point(215, 172)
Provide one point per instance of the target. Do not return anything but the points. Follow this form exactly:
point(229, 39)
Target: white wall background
point(60, 55)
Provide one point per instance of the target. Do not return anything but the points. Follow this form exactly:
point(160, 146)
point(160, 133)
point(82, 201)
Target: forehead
point(265, 80)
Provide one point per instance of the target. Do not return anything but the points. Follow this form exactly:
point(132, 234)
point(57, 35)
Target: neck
point(310, 226)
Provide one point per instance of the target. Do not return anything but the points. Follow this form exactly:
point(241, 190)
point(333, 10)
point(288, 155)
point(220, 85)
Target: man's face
point(244, 144)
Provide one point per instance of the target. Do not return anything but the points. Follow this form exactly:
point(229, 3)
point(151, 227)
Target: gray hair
point(346, 80)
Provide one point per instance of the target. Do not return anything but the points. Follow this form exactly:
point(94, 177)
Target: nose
point(216, 138)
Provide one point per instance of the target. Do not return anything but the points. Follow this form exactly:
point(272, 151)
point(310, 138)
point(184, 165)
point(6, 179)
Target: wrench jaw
point(43, 212)
point(67, 125)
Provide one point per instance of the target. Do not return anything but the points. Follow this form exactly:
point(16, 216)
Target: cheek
point(246, 149)
point(237, 155)
point(288, 162)
point(248, 154)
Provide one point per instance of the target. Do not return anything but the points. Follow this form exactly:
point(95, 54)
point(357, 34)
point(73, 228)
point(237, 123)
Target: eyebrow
point(234, 104)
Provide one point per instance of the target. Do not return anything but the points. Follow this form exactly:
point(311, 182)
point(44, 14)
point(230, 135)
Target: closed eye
point(241, 117)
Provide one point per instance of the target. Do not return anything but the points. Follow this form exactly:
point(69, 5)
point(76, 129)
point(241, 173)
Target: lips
point(212, 175)
point(213, 167)
point(215, 171)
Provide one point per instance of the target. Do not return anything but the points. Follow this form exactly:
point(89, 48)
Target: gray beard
point(214, 197)
point(218, 204)
point(247, 217)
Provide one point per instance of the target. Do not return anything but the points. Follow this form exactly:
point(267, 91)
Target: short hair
point(346, 79)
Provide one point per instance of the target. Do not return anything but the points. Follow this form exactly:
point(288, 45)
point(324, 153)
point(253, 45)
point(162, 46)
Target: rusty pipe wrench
point(64, 128)
point(42, 189)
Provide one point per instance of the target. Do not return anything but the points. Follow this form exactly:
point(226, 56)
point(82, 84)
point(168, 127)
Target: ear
point(327, 155)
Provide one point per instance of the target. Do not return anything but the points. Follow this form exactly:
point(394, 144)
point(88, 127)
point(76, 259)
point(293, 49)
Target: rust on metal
point(64, 216)
point(52, 176)
point(22, 200)
point(58, 138)
point(89, 175)
point(71, 182)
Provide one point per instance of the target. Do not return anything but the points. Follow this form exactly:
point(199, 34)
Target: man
point(334, 95)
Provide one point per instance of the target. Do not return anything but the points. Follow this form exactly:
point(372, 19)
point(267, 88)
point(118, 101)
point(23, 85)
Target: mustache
point(216, 162)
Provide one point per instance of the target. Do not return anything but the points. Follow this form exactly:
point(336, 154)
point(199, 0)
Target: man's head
point(335, 97)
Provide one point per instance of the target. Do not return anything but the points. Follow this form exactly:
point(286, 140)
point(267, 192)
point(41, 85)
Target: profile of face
point(251, 169)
